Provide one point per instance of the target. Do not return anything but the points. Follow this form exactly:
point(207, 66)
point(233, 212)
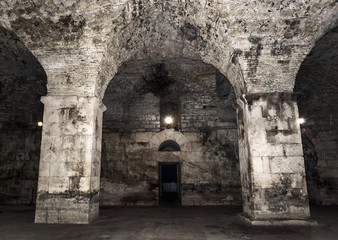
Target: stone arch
point(199, 33)
point(172, 135)
point(20, 69)
point(169, 146)
point(158, 35)
point(24, 46)
point(327, 26)
point(320, 49)
point(25, 43)
point(317, 84)
point(109, 32)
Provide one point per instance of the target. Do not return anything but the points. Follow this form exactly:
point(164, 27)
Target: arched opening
point(317, 83)
point(195, 49)
point(169, 146)
point(168, 65)
point(22, 83)
point(208, 156)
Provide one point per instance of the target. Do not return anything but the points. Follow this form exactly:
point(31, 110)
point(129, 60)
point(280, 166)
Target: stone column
point(271, 160)
point(69, 173)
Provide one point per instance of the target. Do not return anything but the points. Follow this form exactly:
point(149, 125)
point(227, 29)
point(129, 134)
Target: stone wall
point(139, 113)
point(132, 136)
point(258, 46)
point(19, 165)
point(209, 163)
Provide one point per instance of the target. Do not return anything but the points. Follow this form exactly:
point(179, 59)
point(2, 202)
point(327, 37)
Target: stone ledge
point(278, 222)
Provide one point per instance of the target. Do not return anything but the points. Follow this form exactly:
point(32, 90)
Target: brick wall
point(19, 158)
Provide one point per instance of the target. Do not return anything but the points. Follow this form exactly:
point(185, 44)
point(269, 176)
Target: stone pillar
point(69, 173)
point(271, 160)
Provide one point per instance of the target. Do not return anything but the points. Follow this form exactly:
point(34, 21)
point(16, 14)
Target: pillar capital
point(249, 98)
point(55, 101)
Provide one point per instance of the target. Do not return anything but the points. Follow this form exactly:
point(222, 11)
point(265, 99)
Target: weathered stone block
point(40, 216)
point(51, 116)
point(43, 184)
point(280, 136)
point(286, 164)
point(58, 169)
point(44, 169)
point(293, 149)
point(58, 184)
point(265, 150)
point(53, 216)
point(52, 129)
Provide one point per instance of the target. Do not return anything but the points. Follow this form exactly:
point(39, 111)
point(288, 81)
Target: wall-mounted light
point(168, 120)
point(301, 120)
point(40, 124)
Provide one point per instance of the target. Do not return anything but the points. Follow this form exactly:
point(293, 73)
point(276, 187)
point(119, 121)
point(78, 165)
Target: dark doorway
point(170, 184)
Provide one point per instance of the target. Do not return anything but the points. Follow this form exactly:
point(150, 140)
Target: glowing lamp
point(40, 124)
point(168, 120)
point(301, 120)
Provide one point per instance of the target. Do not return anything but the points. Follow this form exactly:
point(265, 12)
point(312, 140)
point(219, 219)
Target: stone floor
point(163, 223)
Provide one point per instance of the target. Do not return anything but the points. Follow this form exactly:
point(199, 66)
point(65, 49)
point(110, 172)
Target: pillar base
point(63, 216)
point(63, 209)
point(277, 222)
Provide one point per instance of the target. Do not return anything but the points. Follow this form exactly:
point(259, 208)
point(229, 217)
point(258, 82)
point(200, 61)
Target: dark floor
point(163, 223)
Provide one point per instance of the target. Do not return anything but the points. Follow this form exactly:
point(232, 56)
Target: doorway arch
point(169, 146)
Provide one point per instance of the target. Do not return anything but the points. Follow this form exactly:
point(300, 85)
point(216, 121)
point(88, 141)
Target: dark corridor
point(169, 176)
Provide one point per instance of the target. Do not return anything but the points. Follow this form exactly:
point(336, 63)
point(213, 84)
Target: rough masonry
point(198, 61)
